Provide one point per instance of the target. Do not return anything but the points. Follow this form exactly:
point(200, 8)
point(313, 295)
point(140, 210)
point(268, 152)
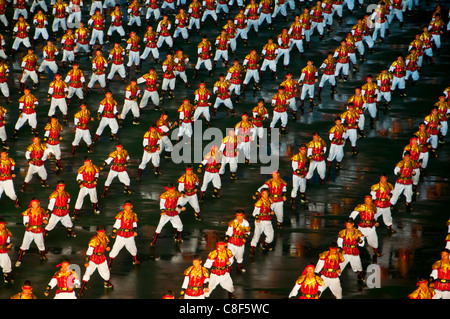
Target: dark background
point(309, 229)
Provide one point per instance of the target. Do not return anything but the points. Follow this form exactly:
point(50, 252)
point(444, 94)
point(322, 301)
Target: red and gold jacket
point(2, 116)
point(406, 171)
point(342, 55)
point(54, 132)
point(270, 51)
point(236, 74)
point(189, 183)
point(134, 41)
point(367, 215)
point(28, 103)
point(203, 49)
point(265, 210)
point(244, 131)
point(109, 108)
point(384, 82)
point(382, 194)
point(99, 64)
point(98, 22)
point(219, 261)
point(426, 38)
point(432, 124)
point(423, 140)
point(150, 39)
point(21, 29)
point(195, 9)
point(328, 6)
point(35, 219)
point(170, 202)
point(350, 118)
point(164, 27)
point(317, 14)
point(284, 40)
point(212, 162)
point(296, 30)
point(59, 88)
point(419, 293)
point(329, 66)
point(229, 145)
point(210, 4)
point(75, 78)
point(309, 287)
point(119, 162)
point(29, 62)
point(237, 232)
point(442, 282)
point(116, 55)
point(89, 176)
point(99, 248)
point(331, 263)
point(310, 74)
point(305, 20)
point(317, 149)
point(240, 20)
point(65, 280)
point(277, 189)
point(36, 153)
point(151, 81)
point(180, 60)
point(222, 42)
point(202, 95)
point(412, 59)
point(300, 167)
point(415, 152)
point(231, 29)
point(59, 10)
point(358, 103)
point(252, 11)
point(399, 69)
point(117, 18)
point(436, 27)
point(134, 92)
point(169, 67)
point(221, 88)
point(4, 70)
point(259, 114)
point(196, 282)
point(68, 41)
point(350, 240)
point(61, 205)
point(290, 87)
point(82, 35)
point(40, 20)
point(252, 61)
point(187, 111)
point(83, 118)
point(266, 6)
point(182, 20)
point(6, 168)
point(5, 237)
point(127, 221)
point(337, 132)
point(135, 8)
point(370, 92)
point(279, 102)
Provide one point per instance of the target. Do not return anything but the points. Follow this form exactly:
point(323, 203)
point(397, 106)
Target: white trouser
point(168, 84)
point(336, 153)
point(82, 134)
point(396, 13)
point(185, 129)
point(385, 212)
point(30, 118)
point(78, 91)
point(265, 17)
point(119, 30)
point(18, 41)
point(437, 40)
point(7, 186)
point(127, 242)
point(285, 54)
point(182, 75)
point(413, 74)
point(102, 268)
point(156, 14)
point(193, 201)
point(40, 32)
point(97, 35)
point(33, 169)
point(400, 82)
point(166, 144)
point(343, 67)
point(132, 106)
point(242, 33)
point(331, 78)
point(238, 252)
point(298, 183)
point(334, 284)
point(168, 40)
point(60, 103)
point(269, 63)
point(246, 148)
point(55, 150)
point(361, 121)
point(119, 68)
point(369, 40)
point(352, 136)
point(319, 26)
point(65, 220)
point(96, 5)
point(134, 20)
point(232, 161)
point(84, 47)
point(401, 189)
point(385, 95)
point(133, 57)
point(236, 88)
point(146, 157)
point(221, 54)
point(207, 63)
point(29, 237)
point(354, 260)
point(211, 177)
point(440, 294)
point(59, 23)
point(307, 89)
point(277, 208)
point(5, 263)
point(147, 51)
point(444, 128)
point(224, 280)
point(123, 177)
point(370, 233)
point(111, 122)
point(227, 102)
point(3, 135)
point(153, 95)
point(279, 116)
point(379, 27)
point(202, 110)
point(31, 74)
point(18, 12)
point(66, 295)
point(100, 78)
point(279, 9)
point(320, 166)
point(207, 13)
point(84, 191)
point(251, 74)
point(192, 22)
point(183, 31)
point(262, 227)
point(174, 220)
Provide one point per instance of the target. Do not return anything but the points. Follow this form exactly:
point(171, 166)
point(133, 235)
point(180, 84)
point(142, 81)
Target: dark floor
point(309, 229)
